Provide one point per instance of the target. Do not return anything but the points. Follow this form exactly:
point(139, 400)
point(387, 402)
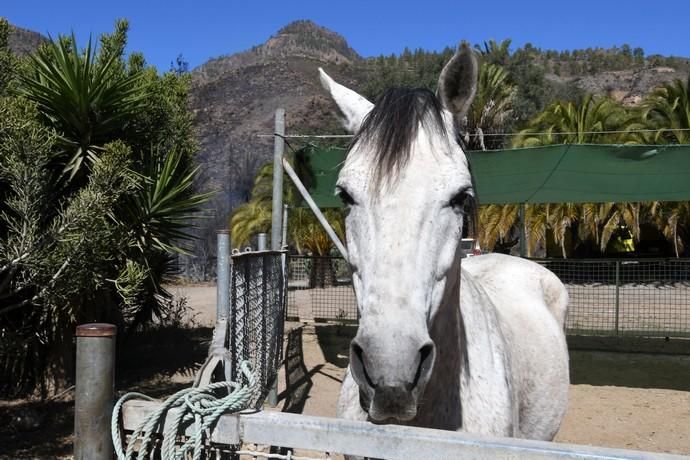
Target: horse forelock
point(391, 128)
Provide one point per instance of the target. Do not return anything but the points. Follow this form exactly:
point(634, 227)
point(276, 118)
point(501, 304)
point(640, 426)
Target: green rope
point(197, 404)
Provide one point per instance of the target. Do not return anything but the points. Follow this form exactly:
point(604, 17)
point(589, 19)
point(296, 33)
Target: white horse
point(479, 348)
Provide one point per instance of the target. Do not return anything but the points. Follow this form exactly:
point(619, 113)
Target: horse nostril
point(358, 366)
point(426, 354)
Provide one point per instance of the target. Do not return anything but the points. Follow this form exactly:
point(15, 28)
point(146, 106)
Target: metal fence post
point(94, 391)
point(618, 284)
point(262, 245)
point(223, 271)
point(262, 241)
point(278, 149)
point(283, 240)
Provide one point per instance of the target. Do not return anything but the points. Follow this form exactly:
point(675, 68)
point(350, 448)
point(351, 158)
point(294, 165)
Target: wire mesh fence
point(320, 288)
point(626, 297)
point(608, 297)
point(256, 321)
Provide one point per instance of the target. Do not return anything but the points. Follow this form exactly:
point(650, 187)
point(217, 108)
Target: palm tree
point(666, 112)
point(574, 123)
point(496, 224)
point(249, 219)
point(601, 220)
point(492, 109)
point(664, 118)
point(304, 230)
point(673, 219)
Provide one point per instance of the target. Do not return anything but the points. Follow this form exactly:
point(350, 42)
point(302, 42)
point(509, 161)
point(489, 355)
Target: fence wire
point(256, 321)
point(320, 288)
point(608, 297)
point(626, 297)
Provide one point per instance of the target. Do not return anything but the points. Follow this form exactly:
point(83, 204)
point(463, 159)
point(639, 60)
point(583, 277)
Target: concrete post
point(94, 391)
point(223, 273)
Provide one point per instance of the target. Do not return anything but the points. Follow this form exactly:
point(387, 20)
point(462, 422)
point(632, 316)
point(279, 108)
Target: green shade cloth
point(318, 169)
point(582, 173)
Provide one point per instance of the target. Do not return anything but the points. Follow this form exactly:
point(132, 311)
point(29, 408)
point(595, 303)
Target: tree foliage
point(96, 190)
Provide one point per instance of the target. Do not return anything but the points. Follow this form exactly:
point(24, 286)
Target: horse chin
point(390, 405)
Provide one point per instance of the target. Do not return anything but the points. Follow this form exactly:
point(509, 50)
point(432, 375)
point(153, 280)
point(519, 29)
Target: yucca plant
point(158, 215)
point(86, 99)
point(98, 213)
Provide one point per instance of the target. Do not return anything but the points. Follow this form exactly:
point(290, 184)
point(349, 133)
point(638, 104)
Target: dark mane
point(391, 127)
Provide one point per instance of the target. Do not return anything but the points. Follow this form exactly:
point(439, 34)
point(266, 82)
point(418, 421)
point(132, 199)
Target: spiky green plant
point(83, 97)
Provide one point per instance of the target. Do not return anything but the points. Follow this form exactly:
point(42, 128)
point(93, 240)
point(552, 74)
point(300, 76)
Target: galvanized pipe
point(223, 275)
point(278, 149)
point(272, 397)
point(262, 241)
point(94, 391)
point(283, 241)
point(315, 209)
point(618, 287)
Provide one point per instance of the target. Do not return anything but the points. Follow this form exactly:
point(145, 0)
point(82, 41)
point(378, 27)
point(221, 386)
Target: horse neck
point(441, 404)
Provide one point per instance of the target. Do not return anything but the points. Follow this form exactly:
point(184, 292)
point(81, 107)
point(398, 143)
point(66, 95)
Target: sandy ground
point(632, 401)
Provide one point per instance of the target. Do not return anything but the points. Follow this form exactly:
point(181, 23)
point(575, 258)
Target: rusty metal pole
point(94, 391)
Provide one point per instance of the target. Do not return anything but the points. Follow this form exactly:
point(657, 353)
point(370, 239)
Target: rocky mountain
point(626, 86)
point(234, 99)
point(23, 41)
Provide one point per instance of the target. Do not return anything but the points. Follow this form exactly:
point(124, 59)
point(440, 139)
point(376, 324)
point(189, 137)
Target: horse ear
point(353, 106)
point(457, 84)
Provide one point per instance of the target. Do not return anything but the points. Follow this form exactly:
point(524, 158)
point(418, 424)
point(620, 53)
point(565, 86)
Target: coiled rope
point(198, 404)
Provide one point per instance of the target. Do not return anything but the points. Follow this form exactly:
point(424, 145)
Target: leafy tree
point(8, 62)
point(96, 184)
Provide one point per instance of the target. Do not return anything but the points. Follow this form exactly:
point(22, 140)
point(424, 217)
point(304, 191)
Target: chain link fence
point(608, 297)
point(256, 321)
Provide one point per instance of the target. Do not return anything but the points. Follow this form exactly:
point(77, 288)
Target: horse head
point(407, 186)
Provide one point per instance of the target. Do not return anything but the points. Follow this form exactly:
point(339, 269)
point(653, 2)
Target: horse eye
point(344, 196)
point(460, 200)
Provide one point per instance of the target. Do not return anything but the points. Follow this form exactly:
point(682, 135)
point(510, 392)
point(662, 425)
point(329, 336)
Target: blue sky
point(202, 29)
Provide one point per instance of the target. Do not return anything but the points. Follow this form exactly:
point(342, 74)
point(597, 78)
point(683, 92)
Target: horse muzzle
point(392, 402)
point(391, 392)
